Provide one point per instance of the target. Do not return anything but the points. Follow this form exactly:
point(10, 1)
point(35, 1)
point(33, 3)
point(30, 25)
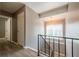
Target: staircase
point(53, 46)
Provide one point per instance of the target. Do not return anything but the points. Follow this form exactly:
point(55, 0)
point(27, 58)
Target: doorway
point(5, 28)
point(8, 29)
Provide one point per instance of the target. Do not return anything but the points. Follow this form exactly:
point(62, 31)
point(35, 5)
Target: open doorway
point(8, 29)
point(5, 28)
point(14, 9)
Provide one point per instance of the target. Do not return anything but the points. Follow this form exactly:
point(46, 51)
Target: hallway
point(27, 29)
point(8, 49)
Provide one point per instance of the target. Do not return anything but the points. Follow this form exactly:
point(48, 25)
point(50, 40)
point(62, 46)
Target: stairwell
point(54, 46)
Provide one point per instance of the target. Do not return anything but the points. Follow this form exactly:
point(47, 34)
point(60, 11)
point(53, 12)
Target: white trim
point(35, 51)
point(32, 49)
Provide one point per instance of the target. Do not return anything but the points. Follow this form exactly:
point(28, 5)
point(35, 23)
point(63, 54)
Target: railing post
point(72, 47)
point(49, 46)
point(59, 47)
point(45, 45)
point(65, 45)
point(38, 44)
point(53, 48)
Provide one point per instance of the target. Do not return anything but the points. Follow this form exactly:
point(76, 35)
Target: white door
point(20, 28)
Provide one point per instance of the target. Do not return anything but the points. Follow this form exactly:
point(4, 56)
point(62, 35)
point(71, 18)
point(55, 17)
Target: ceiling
point(10, 7)
point(41, 7)
point(38, 7)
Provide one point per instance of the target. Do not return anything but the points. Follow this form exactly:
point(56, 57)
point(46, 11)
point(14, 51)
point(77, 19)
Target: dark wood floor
point(8, 49)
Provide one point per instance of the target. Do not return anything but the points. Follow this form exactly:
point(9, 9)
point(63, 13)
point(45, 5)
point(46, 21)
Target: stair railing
point(45, 40)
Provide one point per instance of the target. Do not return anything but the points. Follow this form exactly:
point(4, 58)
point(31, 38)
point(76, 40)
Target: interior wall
point(2, 27)
point(72, 27)
point(34, 26)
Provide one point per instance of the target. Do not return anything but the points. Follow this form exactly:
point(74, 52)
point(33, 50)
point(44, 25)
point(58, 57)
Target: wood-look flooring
point(8, 49)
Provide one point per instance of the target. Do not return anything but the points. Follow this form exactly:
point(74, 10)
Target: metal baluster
point(65, 45)
point(53, 48)
point(45, 44)
point(38, 45)
point(72, 47)
point(59, 47)
point(49, 46)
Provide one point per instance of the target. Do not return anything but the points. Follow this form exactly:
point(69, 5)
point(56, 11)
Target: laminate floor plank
point(8, 49)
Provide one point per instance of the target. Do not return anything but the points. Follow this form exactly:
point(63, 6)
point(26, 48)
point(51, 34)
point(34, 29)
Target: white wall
point(34, 26)
point(72, 27)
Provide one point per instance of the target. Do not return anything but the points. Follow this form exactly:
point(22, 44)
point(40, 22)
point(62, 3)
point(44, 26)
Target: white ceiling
point(41, 7)
point(38, 7)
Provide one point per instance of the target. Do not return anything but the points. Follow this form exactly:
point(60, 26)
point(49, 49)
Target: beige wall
point(2, 28)
point(34, 26)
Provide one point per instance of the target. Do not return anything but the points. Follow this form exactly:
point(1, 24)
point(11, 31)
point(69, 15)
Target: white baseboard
point(35, 50)
point(32, 49)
